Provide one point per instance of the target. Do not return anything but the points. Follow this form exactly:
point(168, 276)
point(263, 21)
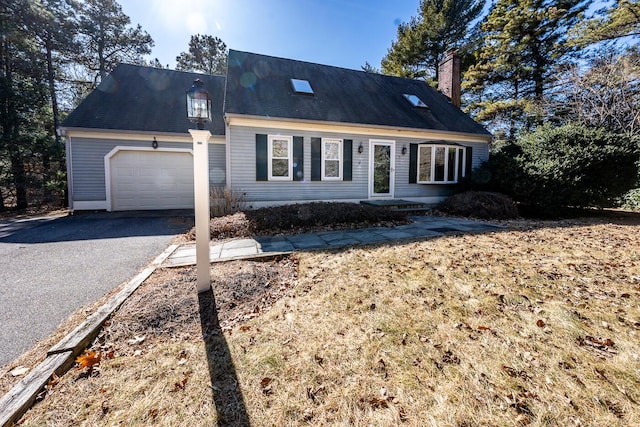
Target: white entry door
point(150, 180)
point(382, 161)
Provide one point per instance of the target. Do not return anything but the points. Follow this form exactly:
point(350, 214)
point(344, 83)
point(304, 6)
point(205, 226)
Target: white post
point(201, 197)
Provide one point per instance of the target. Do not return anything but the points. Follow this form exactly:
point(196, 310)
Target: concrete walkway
point(421, 226)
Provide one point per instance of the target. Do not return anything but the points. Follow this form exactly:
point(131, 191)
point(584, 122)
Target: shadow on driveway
point(227, 396)
point(96, 225)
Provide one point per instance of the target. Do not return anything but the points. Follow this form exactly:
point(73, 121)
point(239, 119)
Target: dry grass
point(535, 326)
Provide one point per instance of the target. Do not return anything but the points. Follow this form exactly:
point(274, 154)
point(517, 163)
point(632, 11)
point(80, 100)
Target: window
point(331, 159)
point(440, 163)
point(301, 86)
point(280, 166)
point(414, 100)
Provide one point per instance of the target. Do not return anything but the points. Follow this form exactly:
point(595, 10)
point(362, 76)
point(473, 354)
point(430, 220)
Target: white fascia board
point(137, 135)
point(360, 129)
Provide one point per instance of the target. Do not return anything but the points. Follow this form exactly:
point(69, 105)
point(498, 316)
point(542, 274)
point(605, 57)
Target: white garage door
point(144, 180)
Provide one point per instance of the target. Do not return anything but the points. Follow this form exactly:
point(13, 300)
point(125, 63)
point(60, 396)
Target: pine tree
point(620, 20)
point(207, 54)
point(106, 38)
point(421, 43)
point(524, 46)
point(23, 98)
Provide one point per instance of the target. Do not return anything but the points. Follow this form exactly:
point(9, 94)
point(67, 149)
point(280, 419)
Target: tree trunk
point(51, 78)
point(19, 181)
point(46, 157)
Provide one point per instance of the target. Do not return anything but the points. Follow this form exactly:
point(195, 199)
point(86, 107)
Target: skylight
point(301, 86)
point(415, 101)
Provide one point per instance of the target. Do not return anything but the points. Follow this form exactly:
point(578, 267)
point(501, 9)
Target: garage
point(151, 180)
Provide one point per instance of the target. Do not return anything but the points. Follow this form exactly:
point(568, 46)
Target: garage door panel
point(148, 180)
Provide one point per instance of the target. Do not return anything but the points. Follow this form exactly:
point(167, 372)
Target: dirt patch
point(166, 305)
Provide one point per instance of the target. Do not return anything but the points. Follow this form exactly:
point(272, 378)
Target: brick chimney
point(449, 77)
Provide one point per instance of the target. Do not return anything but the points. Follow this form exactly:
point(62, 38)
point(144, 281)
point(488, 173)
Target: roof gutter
point(119, 133)
point(363, 128)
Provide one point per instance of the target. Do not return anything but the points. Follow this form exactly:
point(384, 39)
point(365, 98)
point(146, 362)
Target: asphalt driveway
point(51, 267)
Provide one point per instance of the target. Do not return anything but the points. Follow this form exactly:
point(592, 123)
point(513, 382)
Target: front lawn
point(537, 325)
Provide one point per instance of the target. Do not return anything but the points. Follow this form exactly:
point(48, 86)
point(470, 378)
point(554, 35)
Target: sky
point(342, 33)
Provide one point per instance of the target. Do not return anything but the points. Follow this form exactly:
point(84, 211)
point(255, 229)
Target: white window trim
point(270, 158)
point(340, 166)
point(432, 172)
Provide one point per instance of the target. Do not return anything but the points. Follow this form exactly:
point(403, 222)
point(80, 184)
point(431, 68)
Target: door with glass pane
point(381, 168)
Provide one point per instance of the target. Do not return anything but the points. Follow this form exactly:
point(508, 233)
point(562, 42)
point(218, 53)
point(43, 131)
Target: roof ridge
point(167, 69)
point(376, 75)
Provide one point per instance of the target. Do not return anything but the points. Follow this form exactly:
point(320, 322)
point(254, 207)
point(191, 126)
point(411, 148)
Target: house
point(284, 131)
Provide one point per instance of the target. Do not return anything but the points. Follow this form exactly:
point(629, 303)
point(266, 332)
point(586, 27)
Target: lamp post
point(199, 111)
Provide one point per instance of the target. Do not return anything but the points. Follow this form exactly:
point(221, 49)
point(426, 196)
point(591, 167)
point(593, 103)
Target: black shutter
point(469, 159)
point(298, 158)
point(262, 158)
point(413, 163)
point(316, 159)
point(347, 159)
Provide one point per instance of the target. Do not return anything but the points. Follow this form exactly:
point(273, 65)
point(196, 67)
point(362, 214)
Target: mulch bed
point(302, 218)
point(167, 305)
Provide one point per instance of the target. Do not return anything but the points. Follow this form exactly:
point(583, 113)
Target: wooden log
point(20, 398)
point(61, 356)
point(164, 255)
point(81, 336)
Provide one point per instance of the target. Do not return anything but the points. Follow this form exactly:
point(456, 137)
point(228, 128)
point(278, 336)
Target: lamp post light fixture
point(199, 111)
point(198, 104)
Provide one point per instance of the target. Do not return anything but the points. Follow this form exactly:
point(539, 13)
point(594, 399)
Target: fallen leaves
point(314, 393)
point(18, 371)
point(318, 359)
point(136, 340)
point(180, 385)
point(449, 357)
point(88, 360)
point(604, 346)
point(266, 386)
point(515, 373)
point(381, 368)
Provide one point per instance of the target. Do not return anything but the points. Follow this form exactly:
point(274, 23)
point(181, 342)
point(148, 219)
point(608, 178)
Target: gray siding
point(243, 169)
point(87, 164)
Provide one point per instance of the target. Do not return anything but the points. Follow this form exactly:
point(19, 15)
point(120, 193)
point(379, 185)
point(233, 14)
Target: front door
point(381, 168)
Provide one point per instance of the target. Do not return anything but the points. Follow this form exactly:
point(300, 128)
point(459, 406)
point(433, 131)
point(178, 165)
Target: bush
point(631, 200)
point(566, 166)
point(301, 218)
point(225, 201)
point(480, 204)
point(321, 214)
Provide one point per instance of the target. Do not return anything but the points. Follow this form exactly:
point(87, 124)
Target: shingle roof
point(260, 85)
point(137, 98)
point(141, 98)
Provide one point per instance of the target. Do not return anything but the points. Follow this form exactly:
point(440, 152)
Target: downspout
point(227, 152)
